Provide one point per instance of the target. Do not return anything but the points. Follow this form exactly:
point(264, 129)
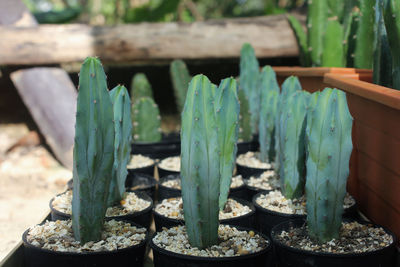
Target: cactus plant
point(269, 89)
point(329, 147)
point(140, 87)
point(146, 121)
point(365, 35)
point(180, 80)
point(292, 142)
point(334, 52)
point(316, 25)
point(245, 134)
point(93, 152)
point(208, 120)
point(122, 145)
point(249, 72)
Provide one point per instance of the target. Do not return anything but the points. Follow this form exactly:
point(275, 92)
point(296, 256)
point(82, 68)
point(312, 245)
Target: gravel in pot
point(249, 164)
point(141, 164)
point(143, 183)
point(169, 166)
point(264, 182)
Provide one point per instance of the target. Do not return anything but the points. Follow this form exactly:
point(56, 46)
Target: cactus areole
point(208, 146)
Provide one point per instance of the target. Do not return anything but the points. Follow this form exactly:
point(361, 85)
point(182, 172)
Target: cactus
point(269, 89)
point(365, 35)
point(122, 145)
point(200, 164)
point(292, 132)
point(316, 25)
point(245, 134)
point(146, 121)
point(350, 34)
point(329, 147)
point(289, 86)
point(334, 53)
point(392, 22)
point(180, 80)
point(249, 72)
point(301, 38)
point(93, 152)
point(227, 115)
point(140, 87)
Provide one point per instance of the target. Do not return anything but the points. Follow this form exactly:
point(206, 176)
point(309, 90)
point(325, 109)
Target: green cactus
point(227, 115)
point(350, 34)
point(200, 164)
point(269, 89)
point(392, 22)
point(146, 121)
point(292, 128)
point(245, 134)
point(122, 145)
point(249, 72)
point(365, 35)
point(334, 53)
point(289, 86)
point(329, 147)
point(93, 152)
point(140, 87)
point(301, 38)
point(180, 80)
point(316, 25)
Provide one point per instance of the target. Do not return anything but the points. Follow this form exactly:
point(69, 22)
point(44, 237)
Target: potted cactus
point(208, 144)
point(327, 240)
point(99, 155)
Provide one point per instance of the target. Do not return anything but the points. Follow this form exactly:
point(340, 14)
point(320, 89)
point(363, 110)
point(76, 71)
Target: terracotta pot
point(374, 179)
point(312, 79)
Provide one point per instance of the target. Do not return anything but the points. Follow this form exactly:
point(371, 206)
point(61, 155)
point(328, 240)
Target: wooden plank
point(14, 12)
point(51, 97)
point(271, 36)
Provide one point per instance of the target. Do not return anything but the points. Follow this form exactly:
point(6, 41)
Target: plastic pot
point(246, 220)
point(246, 172)
point(39, 257)
point(252, 190)
point(170, 145)
point(165, 258)
point(141, 182)
point(289, 256)
point(142, 218)
point(162, 172)
point(165, 192)
point(149, 170)
point(243, 147)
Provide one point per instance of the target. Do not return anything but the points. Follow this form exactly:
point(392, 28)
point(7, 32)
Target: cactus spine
point(245, 134)
point(392, 22)
point(200, 164)
point(269, 89)
point(227, 115)
point(122, 145)
point(249, 72)
point(93, 152)
point(329, 147)
point(365, 35)
point(140, 87)
point(146, 121)
point(180, 80)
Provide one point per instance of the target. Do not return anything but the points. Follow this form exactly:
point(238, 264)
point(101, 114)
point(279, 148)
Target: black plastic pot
point(246, 220)
point(149, 170)
point(170, 145)
point(252, 190)
point(288, 256)
point(141, 182)
point(246, 172)
point(165, 172)
point(142, 218)
point(244, 147)
point(39, 257)
point(267, 219)
point(168, 192)
point(165, 258)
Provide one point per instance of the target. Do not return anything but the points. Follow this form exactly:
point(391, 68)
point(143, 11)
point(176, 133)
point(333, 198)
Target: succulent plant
point(269, 95)
point(122, 145)
point(140, 87)
point(93, 152)
point(245, 134)
point(146, 121)
point(329, 147)
point(208, 120)
point(365, 35)
point(180, 80)
point(249, 72)
point(316, 25)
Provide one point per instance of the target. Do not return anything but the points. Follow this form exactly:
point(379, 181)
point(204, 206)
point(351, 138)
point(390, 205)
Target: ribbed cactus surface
point(365, 35)
point(146, 121)
point(140, 87)
point(122, 145)
point(302, 41)
point(180, 81)
point(333, 50)
point(316, 25)
point(93, 152)
point(329, 147)
point(200, 164)
point(269, 95)
point(245, 134)
point(392, 22)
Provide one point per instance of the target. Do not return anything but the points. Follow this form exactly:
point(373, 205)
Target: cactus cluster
point(101, 149)
point(146, 121)
point(208, 146)
point(180, 78)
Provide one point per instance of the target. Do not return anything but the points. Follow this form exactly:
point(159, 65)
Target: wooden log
point(51, 98)
point(271, 36)
point(14, 12)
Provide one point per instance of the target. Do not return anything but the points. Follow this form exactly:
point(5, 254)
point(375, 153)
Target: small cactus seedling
point(269, 89)
point(245, 134)
point(146, 121)
point(329, 147)
point(122, 145)
point(140, 87)
point(180, 80)
point(93, 152)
